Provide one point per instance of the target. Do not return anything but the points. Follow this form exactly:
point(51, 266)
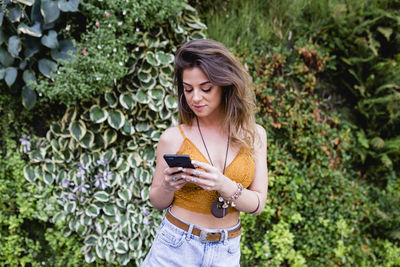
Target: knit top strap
point(180, 129)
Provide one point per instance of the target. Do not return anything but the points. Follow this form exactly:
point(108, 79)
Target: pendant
point(217, 209)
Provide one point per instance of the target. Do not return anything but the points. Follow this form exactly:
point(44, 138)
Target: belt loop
point(189, 232)
point(225, 237)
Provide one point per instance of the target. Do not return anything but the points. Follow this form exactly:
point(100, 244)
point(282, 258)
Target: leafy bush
point(98, 159)
point(315, 206)
point(30, 42)
point(25, 238)
point(113, 30)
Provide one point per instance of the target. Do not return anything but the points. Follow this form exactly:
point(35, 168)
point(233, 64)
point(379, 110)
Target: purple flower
point(81, 188)
point(65, 183)
point(25, 143)
point(103, 163)
point(102, 180)
point(81, 171)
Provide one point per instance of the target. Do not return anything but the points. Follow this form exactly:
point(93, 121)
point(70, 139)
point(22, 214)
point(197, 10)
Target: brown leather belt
point(205, 236)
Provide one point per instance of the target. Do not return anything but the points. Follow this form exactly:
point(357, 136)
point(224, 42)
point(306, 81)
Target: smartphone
point(175, 160)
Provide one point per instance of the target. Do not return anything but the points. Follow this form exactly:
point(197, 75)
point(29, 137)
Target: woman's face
point(203, 98)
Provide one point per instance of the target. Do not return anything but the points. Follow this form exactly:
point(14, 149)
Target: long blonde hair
point(224, 70)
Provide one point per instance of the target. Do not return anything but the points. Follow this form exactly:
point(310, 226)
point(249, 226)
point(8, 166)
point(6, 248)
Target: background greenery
point(326, 77)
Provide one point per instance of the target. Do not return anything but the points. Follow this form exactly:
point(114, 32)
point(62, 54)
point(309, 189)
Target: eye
point(206, 90)
point(187, 90)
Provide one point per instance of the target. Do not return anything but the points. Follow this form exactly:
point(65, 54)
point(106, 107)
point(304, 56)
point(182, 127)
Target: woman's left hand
point(209, 179)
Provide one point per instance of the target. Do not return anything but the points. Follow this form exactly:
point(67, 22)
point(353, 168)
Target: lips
point(198, 107)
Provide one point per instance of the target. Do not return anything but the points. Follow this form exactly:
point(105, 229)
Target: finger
point(202, 165)
point(203, 183)
point(192, 172)
point(173, 170)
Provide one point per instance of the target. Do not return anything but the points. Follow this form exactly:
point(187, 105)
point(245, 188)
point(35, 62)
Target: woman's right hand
point(173, 179)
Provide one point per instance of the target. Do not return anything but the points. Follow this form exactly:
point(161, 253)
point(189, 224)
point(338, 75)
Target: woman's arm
point(163, 187)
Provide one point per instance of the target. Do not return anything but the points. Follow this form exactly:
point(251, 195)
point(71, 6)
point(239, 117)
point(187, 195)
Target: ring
point(194, 180)
point(175, 178)
point(196, 173)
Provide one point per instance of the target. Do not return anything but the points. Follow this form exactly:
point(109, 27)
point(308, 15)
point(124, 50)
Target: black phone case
point(174, 160)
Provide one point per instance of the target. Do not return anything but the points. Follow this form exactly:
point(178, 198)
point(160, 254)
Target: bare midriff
point(205, 220)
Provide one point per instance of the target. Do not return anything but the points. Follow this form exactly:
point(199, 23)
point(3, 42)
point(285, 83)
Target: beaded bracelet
point(232, 199)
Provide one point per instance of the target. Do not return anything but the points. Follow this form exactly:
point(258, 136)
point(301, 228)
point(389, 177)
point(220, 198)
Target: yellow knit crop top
point(192, 197)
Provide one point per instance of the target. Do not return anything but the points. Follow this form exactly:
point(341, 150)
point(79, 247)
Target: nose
point(197, 95)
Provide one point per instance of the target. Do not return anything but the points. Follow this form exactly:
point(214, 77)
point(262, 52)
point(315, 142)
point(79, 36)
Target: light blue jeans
point(174, 247)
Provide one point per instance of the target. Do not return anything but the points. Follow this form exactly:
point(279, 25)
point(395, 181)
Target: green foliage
point(315, 208)
point(25, 239)
point(29, 42)
point(364, 41)
point(367, 62)
point(113, 30)
point(97, 161)
point(254, 26)
point(16, 248)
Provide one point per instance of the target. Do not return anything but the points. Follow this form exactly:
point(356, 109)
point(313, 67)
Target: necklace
point(218, 209)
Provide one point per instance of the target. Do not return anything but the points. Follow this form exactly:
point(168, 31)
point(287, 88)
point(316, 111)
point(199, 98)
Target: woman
point(228, 149)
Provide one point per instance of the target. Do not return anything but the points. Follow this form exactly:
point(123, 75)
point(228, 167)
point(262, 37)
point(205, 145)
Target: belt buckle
point(203, 236)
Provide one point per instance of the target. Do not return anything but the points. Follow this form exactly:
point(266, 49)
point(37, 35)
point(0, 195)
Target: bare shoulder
point(261, 133)
point(170, 140)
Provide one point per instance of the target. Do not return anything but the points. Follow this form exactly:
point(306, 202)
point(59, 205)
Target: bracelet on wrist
point(231, 200)
point(258, 205)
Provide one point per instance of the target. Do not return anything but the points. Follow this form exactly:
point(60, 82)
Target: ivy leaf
point(66, 50)
point(34, 31)
point(92, 211)
point(46, 66)
point(97, 114)
point(68, 5)
point(142, 97)
point(171, 102)
point(50, 40)
point(14, 14)
point(29, 98)
point(31, 46)
point(77, 130)
point(151, 59)
point(28, 75)
point(127, 100)
point(116, 119)
point(49, 10)
point(1, 37)
point(125, 195)
point(14, 45)
point(90, 240)
point(121, 247)
point(48, 178)
point(123, 259)
point(27, 2)
point(88, 140)
point(29, 174)
point(101, 196)
point(164, 58)
point(70, 207)
point(110, 210)
point(5, 58)
point(10, 75)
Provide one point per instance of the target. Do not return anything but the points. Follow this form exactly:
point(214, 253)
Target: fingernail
point(183, 176)
point(180, 168)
